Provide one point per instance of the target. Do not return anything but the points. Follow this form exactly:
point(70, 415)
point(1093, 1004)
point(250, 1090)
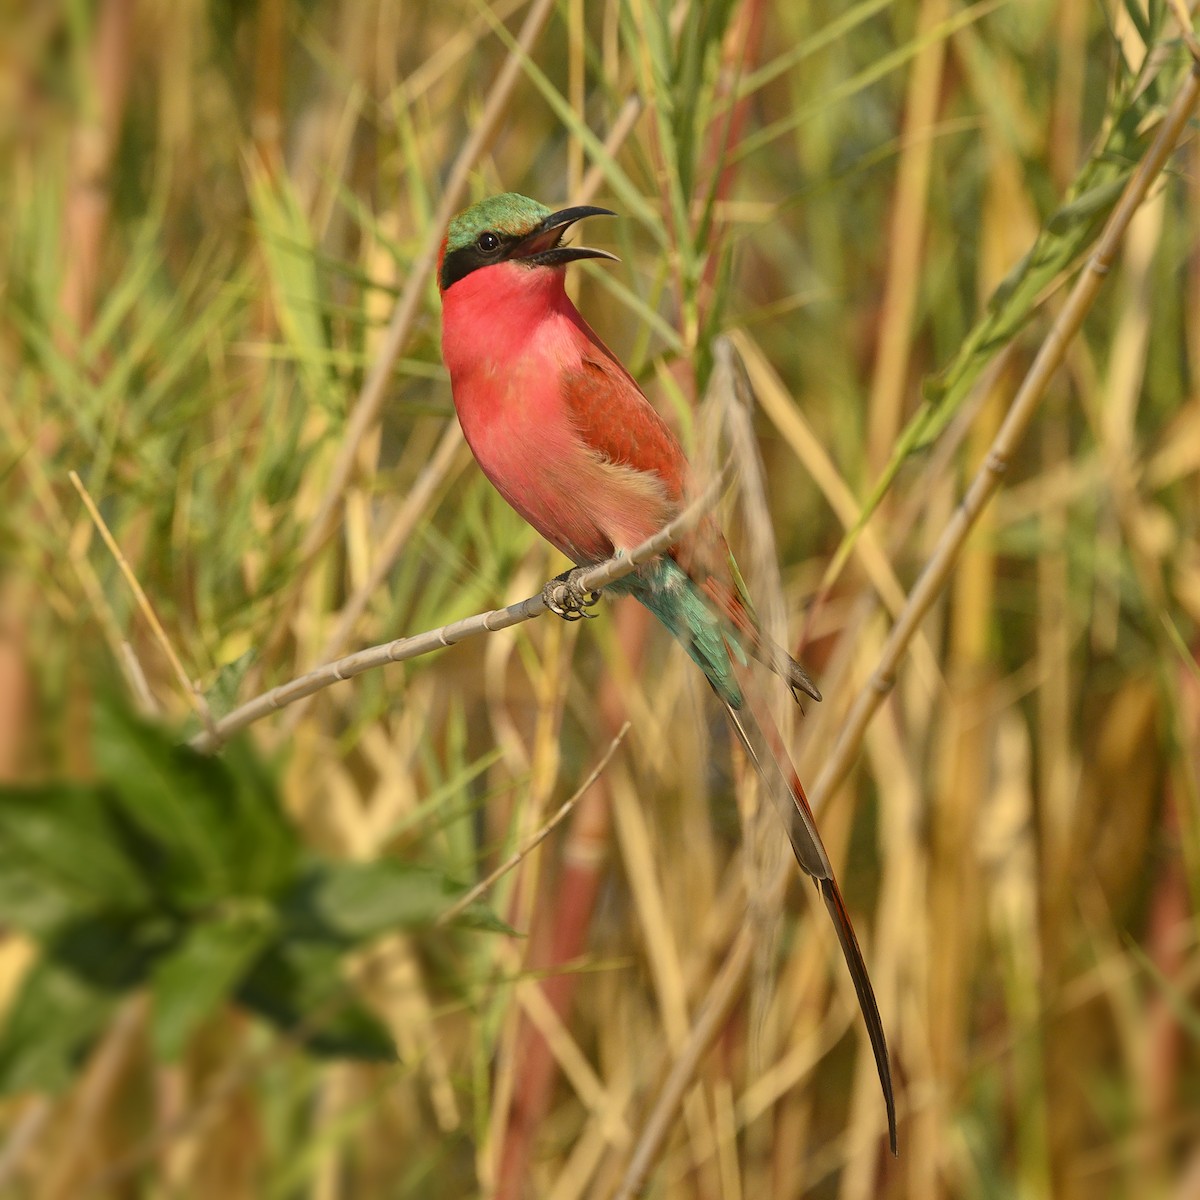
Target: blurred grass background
point(218, 226)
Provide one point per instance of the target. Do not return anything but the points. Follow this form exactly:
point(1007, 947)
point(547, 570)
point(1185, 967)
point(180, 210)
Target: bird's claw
point(566, 598)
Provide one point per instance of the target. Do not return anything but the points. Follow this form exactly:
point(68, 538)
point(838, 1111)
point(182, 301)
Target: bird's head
point(515, 229)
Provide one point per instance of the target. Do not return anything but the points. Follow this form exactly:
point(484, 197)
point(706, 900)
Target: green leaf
point(61, 858)
point(261, 846)
point(167, 803)
point(54, 1019)
point(297, 986)
point(207, 828)
point(356, 901)
point(192, 982)
point(114, 951)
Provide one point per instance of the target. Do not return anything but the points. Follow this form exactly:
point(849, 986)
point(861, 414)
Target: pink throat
point(498, 318)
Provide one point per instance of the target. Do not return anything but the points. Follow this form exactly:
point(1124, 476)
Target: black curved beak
point(541, 247)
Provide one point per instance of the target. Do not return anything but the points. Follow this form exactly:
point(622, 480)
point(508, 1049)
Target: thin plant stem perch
point(403, 649)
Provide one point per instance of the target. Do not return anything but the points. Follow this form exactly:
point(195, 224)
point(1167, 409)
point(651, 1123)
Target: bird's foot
point(566, 598)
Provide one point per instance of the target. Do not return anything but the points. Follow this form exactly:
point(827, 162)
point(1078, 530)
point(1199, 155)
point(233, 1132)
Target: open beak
point(541, 248)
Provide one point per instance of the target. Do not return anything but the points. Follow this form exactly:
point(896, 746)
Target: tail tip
point(799, 680)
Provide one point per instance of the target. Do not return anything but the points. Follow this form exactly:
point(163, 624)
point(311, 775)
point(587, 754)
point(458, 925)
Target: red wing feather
point(616, 421)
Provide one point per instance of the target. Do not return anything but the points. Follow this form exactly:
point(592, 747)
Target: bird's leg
point(566, 598)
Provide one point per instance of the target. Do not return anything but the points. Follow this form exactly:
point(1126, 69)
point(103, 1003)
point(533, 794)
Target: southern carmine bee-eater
point(569, 440)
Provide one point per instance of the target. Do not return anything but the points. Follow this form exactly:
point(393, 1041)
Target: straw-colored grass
point(980, 491)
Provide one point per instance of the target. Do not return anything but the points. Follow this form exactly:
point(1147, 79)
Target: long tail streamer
point(760, 737)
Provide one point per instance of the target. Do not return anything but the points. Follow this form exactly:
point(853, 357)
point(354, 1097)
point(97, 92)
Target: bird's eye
point(487, 242)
